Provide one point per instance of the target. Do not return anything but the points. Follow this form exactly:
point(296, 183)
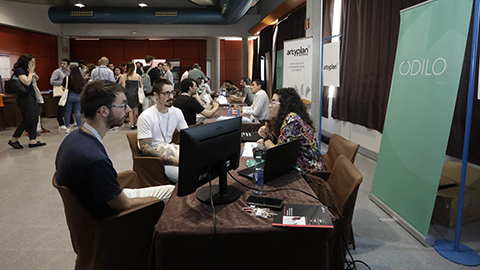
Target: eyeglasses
point(276, 102)
point(119, 105)
point(168, 93)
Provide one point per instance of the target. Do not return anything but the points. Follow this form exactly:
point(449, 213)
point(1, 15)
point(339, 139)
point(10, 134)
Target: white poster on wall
point(5, 66)
point(297, 67)
point(331, 64)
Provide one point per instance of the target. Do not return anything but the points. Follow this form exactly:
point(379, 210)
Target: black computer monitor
point(206, 152)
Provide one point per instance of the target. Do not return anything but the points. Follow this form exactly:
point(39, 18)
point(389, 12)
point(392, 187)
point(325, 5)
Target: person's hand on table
point(263, 131)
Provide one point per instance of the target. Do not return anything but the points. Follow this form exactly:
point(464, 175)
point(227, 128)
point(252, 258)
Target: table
point(223, 111)
point(184, 237)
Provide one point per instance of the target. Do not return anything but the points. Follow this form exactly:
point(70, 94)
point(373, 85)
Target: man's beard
point(114, 122)
point(169, 103)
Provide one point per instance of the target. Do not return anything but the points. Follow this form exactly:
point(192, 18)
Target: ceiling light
point(142, 4)
point(78, 3)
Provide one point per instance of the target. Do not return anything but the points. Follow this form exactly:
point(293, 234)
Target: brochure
point(303, 215)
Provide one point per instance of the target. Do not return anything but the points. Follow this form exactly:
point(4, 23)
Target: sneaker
point(15, 145)
point(44, 130)
point(62, 127)
point(67, 131)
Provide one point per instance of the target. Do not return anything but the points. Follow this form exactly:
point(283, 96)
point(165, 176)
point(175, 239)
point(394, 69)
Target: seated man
point(246, 95)
point(82, 162)
point(156, 126)
point(189, 105)
point(260, 104)
point(227, 88)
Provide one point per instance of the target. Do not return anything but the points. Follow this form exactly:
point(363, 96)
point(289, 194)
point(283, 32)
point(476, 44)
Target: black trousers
point(28, 106)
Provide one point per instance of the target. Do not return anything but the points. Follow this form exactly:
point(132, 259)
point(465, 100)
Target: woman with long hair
point(75, 86)
point(24, 70)
point(291, 121)
point(132, 81)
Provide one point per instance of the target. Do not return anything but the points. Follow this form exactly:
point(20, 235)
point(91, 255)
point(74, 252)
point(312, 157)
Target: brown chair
point(176, 134)
point(340, 191)
point(120, 241)
point(336, 147)
point(150, 170)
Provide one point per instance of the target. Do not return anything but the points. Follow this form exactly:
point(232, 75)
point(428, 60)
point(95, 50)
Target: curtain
point(368, 47)
point(457, 132)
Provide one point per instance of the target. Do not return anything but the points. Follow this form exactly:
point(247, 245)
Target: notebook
point(279, 161)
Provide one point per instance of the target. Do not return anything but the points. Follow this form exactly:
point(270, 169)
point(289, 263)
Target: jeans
point(73, 102)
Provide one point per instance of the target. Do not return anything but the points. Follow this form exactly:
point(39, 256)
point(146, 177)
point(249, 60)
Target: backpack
point(146, 81)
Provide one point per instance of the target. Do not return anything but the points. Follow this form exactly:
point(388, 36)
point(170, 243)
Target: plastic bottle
point(239, 110)
point(234, 111)
point(230, 110)
point(258, 180)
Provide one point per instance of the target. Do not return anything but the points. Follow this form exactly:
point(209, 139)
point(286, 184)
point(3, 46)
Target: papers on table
point(248, 149)
point(222, 100)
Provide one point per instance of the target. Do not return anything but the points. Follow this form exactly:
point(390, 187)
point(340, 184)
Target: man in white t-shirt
point(260, 104)
point(156, 126)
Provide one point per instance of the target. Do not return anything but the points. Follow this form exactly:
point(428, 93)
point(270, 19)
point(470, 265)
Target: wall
point(15, 42)
point(189, 51)
point(231, 61)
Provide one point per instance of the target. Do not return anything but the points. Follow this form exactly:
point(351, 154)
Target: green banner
point(428, 64)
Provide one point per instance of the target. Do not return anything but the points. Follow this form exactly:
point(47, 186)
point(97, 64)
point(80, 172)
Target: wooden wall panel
point(136, 49)
point(186, 49)
point(15, 42)
point(86, 50)
point(161, 49)
point(233, 50)
point(113, 49)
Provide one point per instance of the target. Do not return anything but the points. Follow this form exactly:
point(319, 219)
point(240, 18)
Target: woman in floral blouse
point(290, 121)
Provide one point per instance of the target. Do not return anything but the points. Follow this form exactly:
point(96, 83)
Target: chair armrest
point(128, 179)
point(322, 174)
point(126, 238)
point(150, 171)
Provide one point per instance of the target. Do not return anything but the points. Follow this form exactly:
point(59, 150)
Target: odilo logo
point(423, 67)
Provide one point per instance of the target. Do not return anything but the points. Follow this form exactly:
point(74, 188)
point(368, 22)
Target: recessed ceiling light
point(142, 4)
point(79, 4)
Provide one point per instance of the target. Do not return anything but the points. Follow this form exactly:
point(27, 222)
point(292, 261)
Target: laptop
point(279, 161)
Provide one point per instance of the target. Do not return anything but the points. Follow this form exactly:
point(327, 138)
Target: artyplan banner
point(331, 64)
point(428, 64)
point(5, 71)
point(297, 67)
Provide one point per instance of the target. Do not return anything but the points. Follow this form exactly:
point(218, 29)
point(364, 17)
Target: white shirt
point(259, 107)
point(184, 75)
point(103, 73)
point(169, 76)
point(160, 126)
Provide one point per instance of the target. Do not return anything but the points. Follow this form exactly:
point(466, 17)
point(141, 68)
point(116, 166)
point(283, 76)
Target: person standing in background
point(83, 68)
point(132, 81)
point(56, 81)
point(102, 72)
point(117, 73)
point(167, 73)
point(24, 70)
point(185, 74)
point(75, 86)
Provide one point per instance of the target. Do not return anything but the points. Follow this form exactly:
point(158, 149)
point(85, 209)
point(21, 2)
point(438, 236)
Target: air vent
point(81, 13)
point(165, 13)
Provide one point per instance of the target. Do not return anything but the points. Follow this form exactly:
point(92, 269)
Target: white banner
point(5, 66)
point(331, 64)
point(297, 67)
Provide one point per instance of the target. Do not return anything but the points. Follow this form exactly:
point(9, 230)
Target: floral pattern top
point(293, 127)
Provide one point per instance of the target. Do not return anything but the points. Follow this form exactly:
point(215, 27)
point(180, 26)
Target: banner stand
point(321, 87)
point(453, 250)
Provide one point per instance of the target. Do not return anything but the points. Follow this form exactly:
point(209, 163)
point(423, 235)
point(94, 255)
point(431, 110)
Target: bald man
point(102, 72)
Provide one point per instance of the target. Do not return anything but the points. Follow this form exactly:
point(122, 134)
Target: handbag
point(141, 94)
point(63, 99)
point(15, 87)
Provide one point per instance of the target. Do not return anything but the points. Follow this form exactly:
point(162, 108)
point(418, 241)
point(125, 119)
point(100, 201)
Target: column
point(63, 48)
point(213, 54)
point(314, 7)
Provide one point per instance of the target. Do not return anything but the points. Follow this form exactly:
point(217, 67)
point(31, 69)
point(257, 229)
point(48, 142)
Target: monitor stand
point(221, 193)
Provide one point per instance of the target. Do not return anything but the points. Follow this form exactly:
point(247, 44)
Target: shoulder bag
point(15, 87)
point(63, 99)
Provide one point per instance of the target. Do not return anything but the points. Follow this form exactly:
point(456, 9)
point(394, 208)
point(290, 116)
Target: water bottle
point(230, 110)
point(258, 180)
point(239, 109)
